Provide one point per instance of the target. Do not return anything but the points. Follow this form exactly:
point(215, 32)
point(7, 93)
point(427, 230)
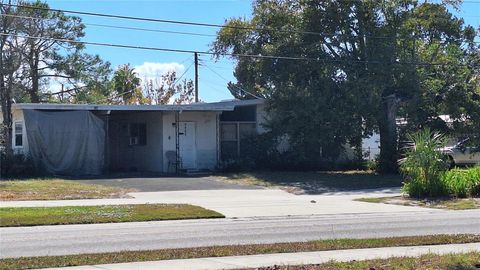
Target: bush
point(463, 183)
point(18, 165)
point(372, 165)
point(423, 165)
point(262, 152)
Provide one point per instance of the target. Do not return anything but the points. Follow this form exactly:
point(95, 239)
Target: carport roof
point(214, 106)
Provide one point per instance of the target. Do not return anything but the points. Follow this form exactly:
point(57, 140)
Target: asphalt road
point(76, 239)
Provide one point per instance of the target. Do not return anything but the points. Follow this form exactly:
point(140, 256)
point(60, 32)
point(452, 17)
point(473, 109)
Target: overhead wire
point(119, 27)
point(260, 56)
point(239, 88)
point(190, 23)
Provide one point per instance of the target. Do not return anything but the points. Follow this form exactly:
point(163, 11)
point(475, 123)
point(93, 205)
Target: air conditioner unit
point(134, 141)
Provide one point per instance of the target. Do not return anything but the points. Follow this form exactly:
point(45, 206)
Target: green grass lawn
point(31, 216)
point(468, 261)
point(316, 182)
point(450, 204)
point(55, 189)
point(233, 250)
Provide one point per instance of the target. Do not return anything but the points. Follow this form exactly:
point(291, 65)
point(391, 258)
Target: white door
point(188, 153)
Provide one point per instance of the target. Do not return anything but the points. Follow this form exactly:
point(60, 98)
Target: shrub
point(18, 165)
point(262, 152)
point(463, 183)
point(423, 166)
point(372, 165)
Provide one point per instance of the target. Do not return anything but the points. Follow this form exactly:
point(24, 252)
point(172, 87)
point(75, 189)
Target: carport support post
point(107, 144)
point(177, 143)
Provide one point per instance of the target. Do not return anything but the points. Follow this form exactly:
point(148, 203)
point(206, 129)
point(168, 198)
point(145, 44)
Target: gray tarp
point(66, 142)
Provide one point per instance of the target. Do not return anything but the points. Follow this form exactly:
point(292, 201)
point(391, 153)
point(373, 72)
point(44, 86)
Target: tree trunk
point(388, 135)
point(6, 126)
point(33, 63)
point(6, 84)
point(33, 92)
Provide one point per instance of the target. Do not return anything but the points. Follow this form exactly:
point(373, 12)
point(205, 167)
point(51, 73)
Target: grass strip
point(450, 203)
point(232, 250)
point(467, 261)
point(31, 216)
point(56, 189)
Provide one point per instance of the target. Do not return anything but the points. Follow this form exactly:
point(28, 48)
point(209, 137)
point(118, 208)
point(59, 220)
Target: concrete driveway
point(237, 203)
point(155, 184)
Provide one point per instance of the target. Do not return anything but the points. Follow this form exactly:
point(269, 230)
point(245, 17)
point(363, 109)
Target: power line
point(268, 29)
point(119, 27)
point(259, 56)
point(182, 32)
point(183, 74)
point(213, 86)
point(241, 89)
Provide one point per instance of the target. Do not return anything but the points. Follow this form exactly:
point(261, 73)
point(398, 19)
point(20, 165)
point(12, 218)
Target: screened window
point(138, 134)
point(18, 132)
point(233, 136)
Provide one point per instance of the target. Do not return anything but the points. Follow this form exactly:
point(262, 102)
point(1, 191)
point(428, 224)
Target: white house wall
point(371, 146)
point(17, 116)
point(205, 137)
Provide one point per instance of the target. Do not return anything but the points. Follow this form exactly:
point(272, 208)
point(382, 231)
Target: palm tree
point(127, 85)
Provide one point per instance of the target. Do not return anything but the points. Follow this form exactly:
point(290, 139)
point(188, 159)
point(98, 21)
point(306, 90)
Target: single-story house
point(86, 139)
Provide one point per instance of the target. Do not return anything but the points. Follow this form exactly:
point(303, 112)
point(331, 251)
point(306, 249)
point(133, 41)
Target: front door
point(187, 145)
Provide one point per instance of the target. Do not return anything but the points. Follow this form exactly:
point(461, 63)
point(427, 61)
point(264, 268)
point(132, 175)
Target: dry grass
point(468, 261)
point(315, 182)
point(450, 204)
point(56, 189)
point(234, 250)
point(31, 216)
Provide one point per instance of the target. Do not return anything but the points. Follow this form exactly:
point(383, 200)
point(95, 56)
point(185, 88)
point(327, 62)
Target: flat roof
point(213, 106)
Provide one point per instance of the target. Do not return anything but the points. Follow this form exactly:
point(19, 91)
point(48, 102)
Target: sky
point(213, 75)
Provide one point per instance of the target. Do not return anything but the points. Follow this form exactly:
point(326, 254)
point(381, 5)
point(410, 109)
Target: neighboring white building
point(89, 139)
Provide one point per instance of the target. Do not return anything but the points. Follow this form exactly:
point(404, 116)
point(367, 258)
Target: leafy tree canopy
point(365, 64)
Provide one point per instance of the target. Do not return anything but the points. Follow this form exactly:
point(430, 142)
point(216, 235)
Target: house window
point(229, 141)
point(18, 134)
point(137, 134)
point(233, 136)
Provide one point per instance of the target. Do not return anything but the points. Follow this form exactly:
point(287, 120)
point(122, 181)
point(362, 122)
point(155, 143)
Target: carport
point(86, 140)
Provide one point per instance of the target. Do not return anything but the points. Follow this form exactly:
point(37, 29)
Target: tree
point(28, 63)
point(126, 85)
point(167, 86)
point(44, 57)
point(47, 40)
point(362, 67)
point(88, 82)
point(10, 62)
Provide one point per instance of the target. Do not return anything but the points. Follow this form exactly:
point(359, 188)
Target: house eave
point(214, 106)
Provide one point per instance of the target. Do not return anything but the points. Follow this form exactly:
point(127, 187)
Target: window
point(18, 134)
point(229, 141)
point(137, 134)
point(232, 136)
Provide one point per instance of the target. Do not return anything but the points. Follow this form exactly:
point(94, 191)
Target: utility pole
point(195, 54)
